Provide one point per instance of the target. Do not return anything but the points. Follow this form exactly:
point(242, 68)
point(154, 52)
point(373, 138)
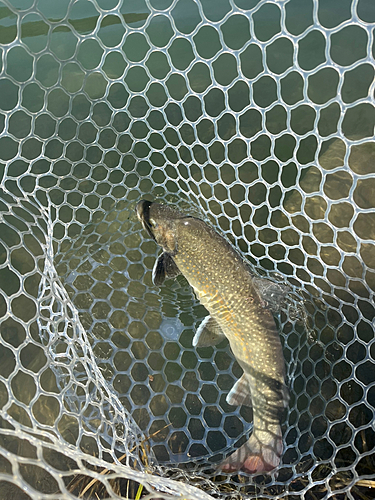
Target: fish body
point(224, 285)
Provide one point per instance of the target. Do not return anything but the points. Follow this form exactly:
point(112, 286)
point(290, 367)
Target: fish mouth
point(143, 213)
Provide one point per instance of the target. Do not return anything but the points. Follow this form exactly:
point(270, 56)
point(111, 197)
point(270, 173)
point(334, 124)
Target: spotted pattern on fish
point(222, 282)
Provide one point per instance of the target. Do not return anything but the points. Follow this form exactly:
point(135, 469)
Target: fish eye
point(152, 223)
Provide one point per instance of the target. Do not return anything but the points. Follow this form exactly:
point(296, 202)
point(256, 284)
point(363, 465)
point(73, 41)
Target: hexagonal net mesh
point(257, 114)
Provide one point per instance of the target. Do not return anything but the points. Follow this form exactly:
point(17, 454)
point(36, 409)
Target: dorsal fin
point(272, 294)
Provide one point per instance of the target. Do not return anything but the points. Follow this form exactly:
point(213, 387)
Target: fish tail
point(260, 454)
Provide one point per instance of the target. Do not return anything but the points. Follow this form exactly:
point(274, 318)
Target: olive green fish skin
point(223, 284)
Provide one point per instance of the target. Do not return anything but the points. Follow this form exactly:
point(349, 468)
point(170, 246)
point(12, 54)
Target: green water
point(85, 137)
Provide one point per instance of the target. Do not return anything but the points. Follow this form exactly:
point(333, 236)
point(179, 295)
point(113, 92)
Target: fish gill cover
point(258, 115)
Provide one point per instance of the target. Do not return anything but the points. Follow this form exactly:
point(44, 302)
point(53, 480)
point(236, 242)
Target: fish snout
point(143, 213)
point(142, 209)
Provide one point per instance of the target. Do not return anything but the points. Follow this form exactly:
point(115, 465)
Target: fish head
point(166, 225)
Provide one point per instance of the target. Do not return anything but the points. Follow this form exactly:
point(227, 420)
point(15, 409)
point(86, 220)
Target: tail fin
point(260, 454)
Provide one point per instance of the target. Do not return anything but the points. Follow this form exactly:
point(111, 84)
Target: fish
point(223, 283)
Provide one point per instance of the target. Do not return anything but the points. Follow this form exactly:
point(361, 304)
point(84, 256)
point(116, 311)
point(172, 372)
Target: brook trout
point(222, 282)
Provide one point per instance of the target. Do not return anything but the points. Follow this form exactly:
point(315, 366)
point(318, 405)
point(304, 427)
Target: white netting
point(258, 114)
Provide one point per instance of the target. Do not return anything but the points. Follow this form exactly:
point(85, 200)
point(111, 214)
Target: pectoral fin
point(240, 393)
point(208, 334)
point(164, 267)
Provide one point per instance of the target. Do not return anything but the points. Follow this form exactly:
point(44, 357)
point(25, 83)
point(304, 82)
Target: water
point(264, 157)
